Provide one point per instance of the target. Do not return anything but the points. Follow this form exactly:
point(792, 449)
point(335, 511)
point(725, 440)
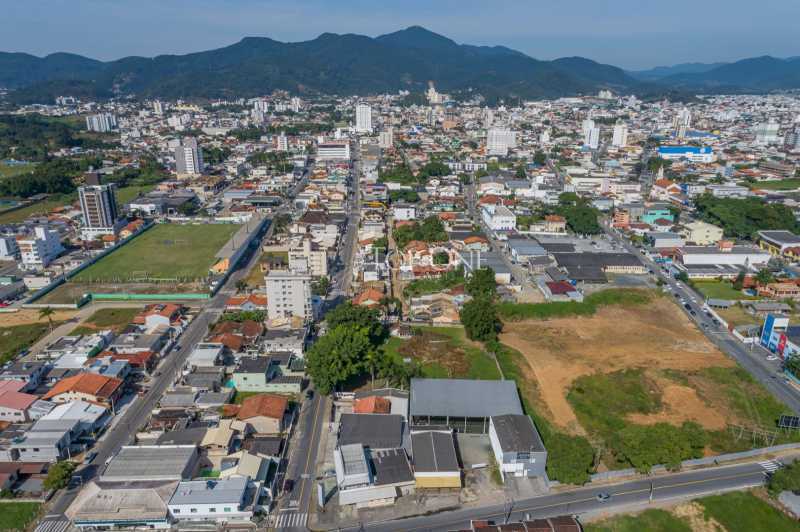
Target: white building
point(767, 133)
point(592, 138)
point(231, 499)
point(723, 254)
point(158, 107)
point(619, 138)
point(101, 123)
point(188, 157)
point(333, 151)
point(281, 142)
point(297, 104)
point(288, 295)
point(363, 118)
point(499, 218)
point(307, 257)
point(499, 141)
point(39, 249)
point(386, 139)
point(404, 212)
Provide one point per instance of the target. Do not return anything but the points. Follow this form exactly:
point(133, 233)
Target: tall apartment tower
point(499, 141)
point(619, 138)
point(386, 138)
point(99, 208)
point(363, 118)
point(592, 138)
point(188, 157)
point(158, 107)
point(289, 295)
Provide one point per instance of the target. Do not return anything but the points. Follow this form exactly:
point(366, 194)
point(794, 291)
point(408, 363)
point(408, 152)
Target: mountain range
point(356, 64)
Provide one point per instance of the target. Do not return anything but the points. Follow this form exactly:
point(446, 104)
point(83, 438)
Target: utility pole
point(651, 491)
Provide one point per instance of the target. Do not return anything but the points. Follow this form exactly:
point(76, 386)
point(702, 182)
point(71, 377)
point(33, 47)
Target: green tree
point(764, 277)
point(58, 475)
point(540, 158)
point(441, 258)
point(241, 285)
point(785, 479)
point(568, 198)
point(338, 356)
point(480, 321)
point(47, 312)
point(482, 283)
point(738, 283)
point(359, 317)
point(793, 365)
point(321, 286)
point(520, 173)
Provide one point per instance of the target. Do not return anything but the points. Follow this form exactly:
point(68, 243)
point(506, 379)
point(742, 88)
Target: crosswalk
point(770, 466)
point(53, 523)
point(291, 520)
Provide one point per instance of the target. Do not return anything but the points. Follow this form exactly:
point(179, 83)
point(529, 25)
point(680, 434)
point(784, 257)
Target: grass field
point(115, 319)
point(18, 515)
point(720, 290)
point(15, 339)
point(165, 252)
point(731, 512)
point(444, 353)
point(126, 194)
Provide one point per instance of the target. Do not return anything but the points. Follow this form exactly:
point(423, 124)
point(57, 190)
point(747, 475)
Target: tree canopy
point(430, 230)
point(338, 356)
point(480, 321)
point(743, 218)
point(482, 283)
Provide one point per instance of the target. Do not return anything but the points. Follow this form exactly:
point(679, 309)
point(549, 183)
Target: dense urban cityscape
point(412, 309)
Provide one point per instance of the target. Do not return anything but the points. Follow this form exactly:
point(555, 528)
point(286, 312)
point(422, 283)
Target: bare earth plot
point(656, 338)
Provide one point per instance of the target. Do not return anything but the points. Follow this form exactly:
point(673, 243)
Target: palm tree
point(47, 312)
point(764, 277)
point(371, 359)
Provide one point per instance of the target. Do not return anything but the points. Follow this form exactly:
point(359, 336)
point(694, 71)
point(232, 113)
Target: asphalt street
point(621, 497)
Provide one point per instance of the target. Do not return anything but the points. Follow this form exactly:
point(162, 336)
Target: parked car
point(603, 496)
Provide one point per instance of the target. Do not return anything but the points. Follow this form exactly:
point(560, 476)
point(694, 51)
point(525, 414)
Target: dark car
point(603, 496)
point(687, 306)
point(288, 485)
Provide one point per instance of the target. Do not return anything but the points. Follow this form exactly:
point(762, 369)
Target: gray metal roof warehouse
point(463, 398)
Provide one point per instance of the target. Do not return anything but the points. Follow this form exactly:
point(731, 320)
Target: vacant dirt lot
point(27, 315)
point(654, 337)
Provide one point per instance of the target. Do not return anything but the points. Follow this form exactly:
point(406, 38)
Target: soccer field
point(165, 252)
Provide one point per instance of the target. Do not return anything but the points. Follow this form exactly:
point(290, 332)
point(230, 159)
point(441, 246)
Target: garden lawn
point(165, 252)
point(18, 515)
point(12, 170)
point(720, 290)
point(782, 184)
point(127, 194)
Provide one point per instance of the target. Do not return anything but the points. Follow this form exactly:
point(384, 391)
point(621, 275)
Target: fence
point(709, 460)
point(124, 296)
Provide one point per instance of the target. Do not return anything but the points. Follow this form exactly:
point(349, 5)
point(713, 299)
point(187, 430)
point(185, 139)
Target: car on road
point(603, 496)
point(310, 394)
point(89, 457)
point(687, 306)
point(692, 312)
point(288, 485)
point(772, 358)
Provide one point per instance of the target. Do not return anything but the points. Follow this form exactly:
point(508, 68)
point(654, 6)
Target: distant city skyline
point(631, 36)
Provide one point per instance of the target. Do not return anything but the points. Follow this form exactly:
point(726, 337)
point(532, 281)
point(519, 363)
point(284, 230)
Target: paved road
point(754, 360)
point(291, 512)
point(623, 497)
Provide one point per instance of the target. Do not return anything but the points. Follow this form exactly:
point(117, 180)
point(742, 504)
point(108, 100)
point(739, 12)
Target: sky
point(632, 34)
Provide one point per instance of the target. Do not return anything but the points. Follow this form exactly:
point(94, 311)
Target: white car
point(772, 357)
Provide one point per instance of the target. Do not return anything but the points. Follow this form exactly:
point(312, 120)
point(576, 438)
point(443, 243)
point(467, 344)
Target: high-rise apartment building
point(767, 133)
point(591, 138)
point(101, 123)
point(158, 107)
point(99, 208)
point(363, 118)
point(499, 141)
point(288, 295)
point(282, 142)
point(189, 157)
point(619, 137)
point(386, 138)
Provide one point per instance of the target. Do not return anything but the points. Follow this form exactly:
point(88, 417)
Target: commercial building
point(723, 254)
point(231, 499)
point(188, 158)
point(363, 118)
point(307, 257)
point(463, 405)
point(780, 337)
point(333, 151)
point(435, 460)
point(498, 217)
point(517, 446)
point(779, 242)
point(118, 505)
point(694, 154)
point(99, 209)
point(152, 463)
point(289, 295)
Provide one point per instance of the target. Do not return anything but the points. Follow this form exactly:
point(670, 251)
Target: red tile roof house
point(87, 386)
point(265, 412)
point(14, 404)
point(246, 302)
point(160, 315)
